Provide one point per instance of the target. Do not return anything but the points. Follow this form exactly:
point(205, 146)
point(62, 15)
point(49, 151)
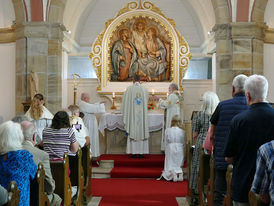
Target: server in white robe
point(90, 121)
point(39, 115)
point(174, 153)
point(173, 107)
point(134, 110)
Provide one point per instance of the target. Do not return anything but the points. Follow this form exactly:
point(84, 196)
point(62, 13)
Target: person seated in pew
point(29, 143)
point(3, 196)
point(78, 126)
point(60, 137)
point(174, 150)
point(15, 164)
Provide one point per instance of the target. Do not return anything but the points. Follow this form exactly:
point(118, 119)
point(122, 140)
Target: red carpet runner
point(137, 192)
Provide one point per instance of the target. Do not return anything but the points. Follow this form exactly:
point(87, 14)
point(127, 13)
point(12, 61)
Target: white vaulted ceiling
point(86, 18)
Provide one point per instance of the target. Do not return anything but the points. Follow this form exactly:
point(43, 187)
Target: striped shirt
point(58, 141)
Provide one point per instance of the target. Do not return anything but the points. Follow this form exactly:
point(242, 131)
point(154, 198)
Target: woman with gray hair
point(200, 125)
point(15, 164)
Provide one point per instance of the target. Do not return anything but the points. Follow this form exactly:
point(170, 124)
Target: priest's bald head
point(85, 97)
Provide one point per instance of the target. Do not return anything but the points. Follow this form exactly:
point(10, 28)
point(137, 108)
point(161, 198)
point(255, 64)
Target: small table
point(114, 120)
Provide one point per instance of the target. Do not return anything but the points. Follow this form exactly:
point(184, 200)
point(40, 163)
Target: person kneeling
point(174, 151)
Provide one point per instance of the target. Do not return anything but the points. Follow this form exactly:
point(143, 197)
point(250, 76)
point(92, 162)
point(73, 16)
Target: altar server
point(91, 122)
point(134, 110)
point(174, 153)
point(39, 115)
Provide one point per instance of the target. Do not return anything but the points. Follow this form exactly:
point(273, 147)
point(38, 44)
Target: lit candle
point(167, 94)
point(113, 94)
point(152, 91)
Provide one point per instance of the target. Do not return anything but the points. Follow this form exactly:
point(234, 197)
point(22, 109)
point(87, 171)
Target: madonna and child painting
point(140, 46)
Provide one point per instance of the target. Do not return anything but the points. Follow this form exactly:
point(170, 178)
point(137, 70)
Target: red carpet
point(121, 191)
point(138, 191)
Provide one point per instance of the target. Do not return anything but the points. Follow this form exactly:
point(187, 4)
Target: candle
point(167, 94)
point(152, 91)
point(113, 94)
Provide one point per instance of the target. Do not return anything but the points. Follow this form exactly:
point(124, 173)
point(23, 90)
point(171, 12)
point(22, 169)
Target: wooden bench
point(13, 194)
point(60, 173)
point(77, 176)
point(38, 195)
point(210, 185)
point(86, 161)
point(203, 177)
point(227, 199)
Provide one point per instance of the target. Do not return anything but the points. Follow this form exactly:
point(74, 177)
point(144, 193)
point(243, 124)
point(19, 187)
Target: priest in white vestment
point(91, 122)
point(134, 110)
point(174, 153)
point(173, 107)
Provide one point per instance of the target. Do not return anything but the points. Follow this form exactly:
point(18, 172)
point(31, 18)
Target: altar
point(111, 127)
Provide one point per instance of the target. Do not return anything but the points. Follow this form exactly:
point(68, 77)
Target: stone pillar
point(224, 73)
point(38, 49)
point(239, 50)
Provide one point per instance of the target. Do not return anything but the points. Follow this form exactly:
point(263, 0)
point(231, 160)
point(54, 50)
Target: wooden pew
point(189, 150)
point(77, 176)
point(86, 161)
point(38, 195)
point(203, 177)
point(227, 199)
point(210, 185)
point(13, 194)
point(60, 173)
point(255, 199)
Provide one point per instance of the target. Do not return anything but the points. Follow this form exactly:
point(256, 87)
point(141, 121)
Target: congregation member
point(15, 164)
point(200, 127)
point(263, 183)
point(59, 138)
point(19, 118)
point(174, 153)
point(220, 123)
point(77, 124)
point(29, 143)
point(172, 105)
point(248, 131)
point(39, 115)
point(134, 110)
point(90, 121)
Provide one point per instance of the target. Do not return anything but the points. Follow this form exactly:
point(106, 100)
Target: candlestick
point(113, 103)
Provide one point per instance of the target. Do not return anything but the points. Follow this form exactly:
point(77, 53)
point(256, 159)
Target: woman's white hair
point(11, 137)
point(210, 102)
point(257, 86)
point(239, 82)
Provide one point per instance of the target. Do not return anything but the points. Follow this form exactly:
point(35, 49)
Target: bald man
point(90, 121)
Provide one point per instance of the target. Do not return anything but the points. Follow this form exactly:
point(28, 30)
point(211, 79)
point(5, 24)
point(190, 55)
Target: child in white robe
point(174, 151)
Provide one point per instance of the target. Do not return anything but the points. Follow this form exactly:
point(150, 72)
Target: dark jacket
point(227, 110)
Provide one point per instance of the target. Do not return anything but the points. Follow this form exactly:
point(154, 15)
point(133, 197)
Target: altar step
point(126, 167)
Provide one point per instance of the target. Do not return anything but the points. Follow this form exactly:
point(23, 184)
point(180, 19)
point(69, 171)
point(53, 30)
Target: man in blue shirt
point(263, 183)
point(248, 131)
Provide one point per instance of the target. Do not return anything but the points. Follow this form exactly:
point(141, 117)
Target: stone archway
point(258, 11)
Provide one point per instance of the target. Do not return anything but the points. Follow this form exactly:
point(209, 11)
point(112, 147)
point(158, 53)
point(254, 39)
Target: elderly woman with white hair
point(201, 123)
point(15, 164)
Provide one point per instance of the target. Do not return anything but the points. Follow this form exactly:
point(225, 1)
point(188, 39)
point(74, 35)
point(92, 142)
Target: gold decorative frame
point(101, 49)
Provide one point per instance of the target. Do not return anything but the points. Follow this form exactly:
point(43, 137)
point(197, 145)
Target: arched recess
point(19, 10)
point(258, 11)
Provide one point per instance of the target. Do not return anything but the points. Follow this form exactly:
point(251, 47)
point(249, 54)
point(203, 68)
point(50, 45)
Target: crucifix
point(76, 82)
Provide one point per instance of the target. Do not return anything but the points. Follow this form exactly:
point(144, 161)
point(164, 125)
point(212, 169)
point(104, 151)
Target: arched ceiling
point(86, 18)
point(6, 14)
point(269, 15)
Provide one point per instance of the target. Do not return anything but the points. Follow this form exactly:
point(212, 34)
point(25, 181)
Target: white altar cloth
point(111, 121)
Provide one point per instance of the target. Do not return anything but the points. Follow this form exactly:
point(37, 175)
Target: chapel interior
point(56, 40)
